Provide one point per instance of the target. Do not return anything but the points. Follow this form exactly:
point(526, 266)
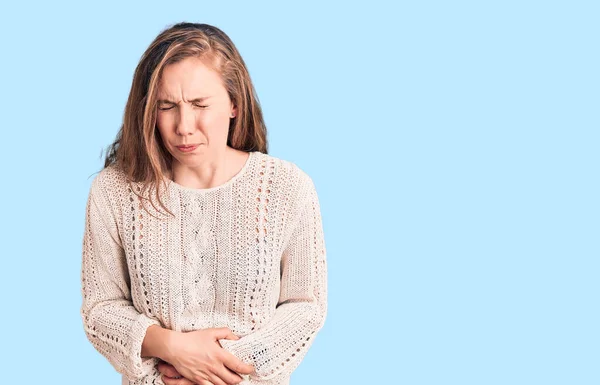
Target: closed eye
point(197, 105)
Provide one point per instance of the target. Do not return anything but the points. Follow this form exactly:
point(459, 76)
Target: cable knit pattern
point(248, 254)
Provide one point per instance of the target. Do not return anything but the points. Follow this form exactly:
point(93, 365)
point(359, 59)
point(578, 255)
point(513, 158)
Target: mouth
point(188, 148)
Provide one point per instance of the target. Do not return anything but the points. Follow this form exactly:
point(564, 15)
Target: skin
point(198, 358)
point(181, 119)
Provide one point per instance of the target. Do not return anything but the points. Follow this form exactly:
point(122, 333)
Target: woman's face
point(193, 109)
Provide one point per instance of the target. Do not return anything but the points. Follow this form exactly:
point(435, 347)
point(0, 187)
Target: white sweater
point(248, 254)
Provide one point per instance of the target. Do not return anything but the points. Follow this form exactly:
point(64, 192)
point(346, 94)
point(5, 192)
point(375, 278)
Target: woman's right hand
point(198, 356)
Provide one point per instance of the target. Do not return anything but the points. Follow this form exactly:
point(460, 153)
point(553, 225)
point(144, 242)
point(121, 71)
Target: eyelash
point(166, 109)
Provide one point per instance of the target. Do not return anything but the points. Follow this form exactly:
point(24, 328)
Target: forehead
point(189, 77)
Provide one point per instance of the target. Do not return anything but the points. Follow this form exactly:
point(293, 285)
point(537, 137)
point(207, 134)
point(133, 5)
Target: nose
point(187, 122)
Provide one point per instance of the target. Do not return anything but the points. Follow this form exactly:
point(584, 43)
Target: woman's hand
point(170, 375)
point(200, 359)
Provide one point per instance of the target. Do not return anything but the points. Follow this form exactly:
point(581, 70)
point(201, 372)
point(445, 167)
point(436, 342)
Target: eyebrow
point(200, 99)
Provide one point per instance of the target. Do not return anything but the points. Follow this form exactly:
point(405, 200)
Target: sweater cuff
point(140, 366)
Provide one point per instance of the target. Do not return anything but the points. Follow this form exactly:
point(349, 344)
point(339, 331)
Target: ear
point(234, 111)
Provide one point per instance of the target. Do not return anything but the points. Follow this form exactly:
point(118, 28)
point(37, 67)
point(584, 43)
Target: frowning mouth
point(188, 148)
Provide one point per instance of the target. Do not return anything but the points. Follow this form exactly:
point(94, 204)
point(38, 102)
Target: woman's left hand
point(171, 376)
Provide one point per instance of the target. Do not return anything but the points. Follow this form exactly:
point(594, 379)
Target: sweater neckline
point(231, 181)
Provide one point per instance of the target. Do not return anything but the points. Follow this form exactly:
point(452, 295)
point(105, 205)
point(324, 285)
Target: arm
point(111, 323)
point(277, 348)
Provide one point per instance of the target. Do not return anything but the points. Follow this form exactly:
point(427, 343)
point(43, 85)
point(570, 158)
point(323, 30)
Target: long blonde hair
point(138, 149)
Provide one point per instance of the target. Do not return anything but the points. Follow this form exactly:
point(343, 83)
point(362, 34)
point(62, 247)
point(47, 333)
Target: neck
point(208, 171)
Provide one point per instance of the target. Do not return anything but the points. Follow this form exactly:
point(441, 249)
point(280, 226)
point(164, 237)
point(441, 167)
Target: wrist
point(158, 342)
point(169, 345)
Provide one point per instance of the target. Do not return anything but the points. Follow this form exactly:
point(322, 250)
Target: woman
point(203, 256)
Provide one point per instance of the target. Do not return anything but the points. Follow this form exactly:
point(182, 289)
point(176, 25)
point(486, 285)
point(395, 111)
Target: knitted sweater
point(248, 254)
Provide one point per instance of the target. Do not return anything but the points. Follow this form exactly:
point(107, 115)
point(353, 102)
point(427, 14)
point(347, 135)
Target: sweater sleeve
point(111, 323)
point(276, 349)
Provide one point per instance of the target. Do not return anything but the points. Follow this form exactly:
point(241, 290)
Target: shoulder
point(109, 189)
point(109, 181)
point(286, 170)
point(286, 176)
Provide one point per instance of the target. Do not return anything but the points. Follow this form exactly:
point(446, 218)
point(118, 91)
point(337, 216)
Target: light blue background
point(454, 146)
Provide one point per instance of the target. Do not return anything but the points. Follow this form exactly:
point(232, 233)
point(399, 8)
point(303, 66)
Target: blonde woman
point(203, 256)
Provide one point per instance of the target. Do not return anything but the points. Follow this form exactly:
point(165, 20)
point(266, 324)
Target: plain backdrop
point(453, 144)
